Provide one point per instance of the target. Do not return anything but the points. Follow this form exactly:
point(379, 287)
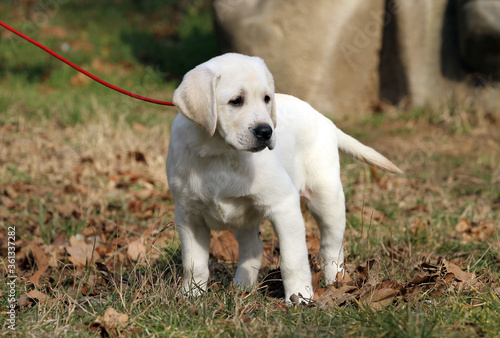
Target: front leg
point(290, 229)
point(195, 241)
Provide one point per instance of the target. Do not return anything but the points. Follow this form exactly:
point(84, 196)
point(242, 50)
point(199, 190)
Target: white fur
point(223, 176)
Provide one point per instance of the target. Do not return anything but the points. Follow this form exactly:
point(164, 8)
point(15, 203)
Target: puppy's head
point(232, 95)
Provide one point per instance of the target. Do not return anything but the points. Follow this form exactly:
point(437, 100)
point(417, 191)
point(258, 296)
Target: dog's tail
point(358, 150)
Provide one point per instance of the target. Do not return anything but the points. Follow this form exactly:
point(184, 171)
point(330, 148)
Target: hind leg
point(250, 251)
point(327, 204)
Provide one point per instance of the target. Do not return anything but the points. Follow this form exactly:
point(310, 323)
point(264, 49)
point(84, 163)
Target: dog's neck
point(211, 146)
point(215, 145)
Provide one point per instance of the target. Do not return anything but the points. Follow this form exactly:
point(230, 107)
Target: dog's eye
point(237, 102)
point(267, 99)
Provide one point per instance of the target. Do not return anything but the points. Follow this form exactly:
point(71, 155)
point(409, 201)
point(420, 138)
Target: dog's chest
point(231, 213)
point(222, 207)
point(221, 192)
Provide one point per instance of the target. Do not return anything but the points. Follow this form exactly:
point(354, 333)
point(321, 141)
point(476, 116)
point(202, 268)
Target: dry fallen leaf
point(35, 278)
point(383, 294)
point(43, 259)
point(313, 243)
point(43, 255)
point(7, 202)
point(316, 278)
point(332, 296)
point(136, 249)
point(457, 272)
point(11, 192)
point(363, 269)
point(224, 246)
point(343, 277)
point(59, 240)
point(440, 278)
point(364, 286)
point(382, 304)
point(80, 252)
point(34, 296)
point(337, 293)
point(475, 231)
point(111, 320)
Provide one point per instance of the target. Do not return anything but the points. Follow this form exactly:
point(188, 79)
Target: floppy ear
point(273, 102)
point(195, 98)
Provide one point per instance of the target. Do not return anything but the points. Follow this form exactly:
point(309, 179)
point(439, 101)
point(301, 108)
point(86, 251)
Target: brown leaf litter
point(361, 286)
point(136, 250)
point(32, 297)
point(110, 322)
point(223, 246)
point(477, 231)
point(118, 189)
point(81, 253)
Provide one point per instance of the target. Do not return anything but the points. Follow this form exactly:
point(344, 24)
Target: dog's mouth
point(262, 146)
point(258, 148)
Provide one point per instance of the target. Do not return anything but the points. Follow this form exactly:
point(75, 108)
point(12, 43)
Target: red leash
point(93, 77)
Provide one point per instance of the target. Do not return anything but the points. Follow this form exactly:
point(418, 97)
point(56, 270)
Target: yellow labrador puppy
point(239, 154)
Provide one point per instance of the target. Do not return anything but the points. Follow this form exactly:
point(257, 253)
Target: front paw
point(191, 289)
point(332, 272)
point(302, 295)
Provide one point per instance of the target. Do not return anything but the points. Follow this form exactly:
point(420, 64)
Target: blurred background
point(344, 57)
point(142, 46)
point(347, 57)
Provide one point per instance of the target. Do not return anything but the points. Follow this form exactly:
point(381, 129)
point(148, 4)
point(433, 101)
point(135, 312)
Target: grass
point(156, 309)
point(80, 164)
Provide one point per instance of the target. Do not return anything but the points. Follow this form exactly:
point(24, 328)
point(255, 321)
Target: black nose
point(263, 132)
